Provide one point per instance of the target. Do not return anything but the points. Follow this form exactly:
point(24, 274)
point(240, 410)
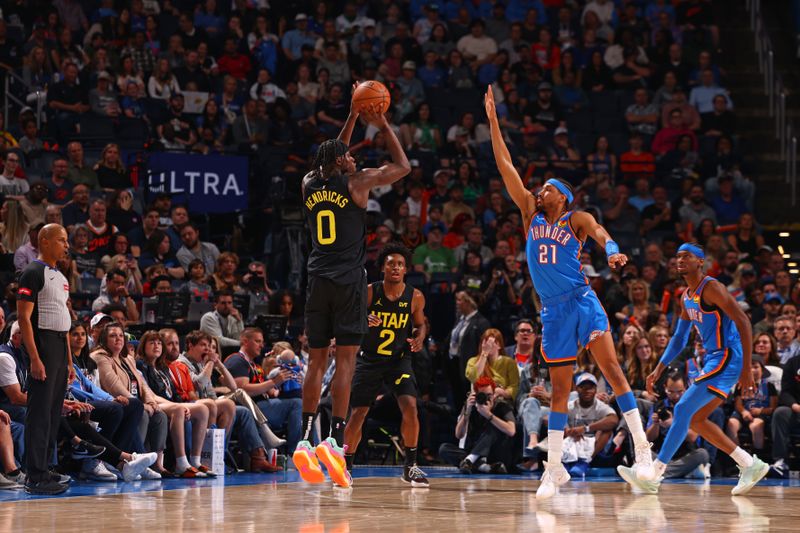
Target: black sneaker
point(498, 468)
point(59, 478)
point(48, 487)
point(86, 450)
point(416, 477)
point(466, 467)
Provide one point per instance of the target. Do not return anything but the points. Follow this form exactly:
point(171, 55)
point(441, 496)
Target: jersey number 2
point(544, 255)
point(323, 236)
point(389, 336)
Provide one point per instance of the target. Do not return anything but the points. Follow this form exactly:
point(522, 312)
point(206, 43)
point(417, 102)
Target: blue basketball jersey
point(554, 253)
point(716, 328)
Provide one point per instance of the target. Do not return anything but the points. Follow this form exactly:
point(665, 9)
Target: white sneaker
point(554, 476)
point(149, 473)
point(138, 463)
point(95, 470)
point(644, 462)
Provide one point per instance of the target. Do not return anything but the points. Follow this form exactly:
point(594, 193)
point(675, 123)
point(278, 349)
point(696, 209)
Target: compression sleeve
point(677, 342)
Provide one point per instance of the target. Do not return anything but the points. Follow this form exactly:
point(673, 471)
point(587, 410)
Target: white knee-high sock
point(555, 444)
point(634, 422)
point(741, 457)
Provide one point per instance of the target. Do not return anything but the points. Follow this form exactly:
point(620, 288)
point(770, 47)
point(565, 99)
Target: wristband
point(612, 248)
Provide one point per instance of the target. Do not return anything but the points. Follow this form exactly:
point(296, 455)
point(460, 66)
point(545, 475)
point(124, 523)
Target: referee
point(44, 322)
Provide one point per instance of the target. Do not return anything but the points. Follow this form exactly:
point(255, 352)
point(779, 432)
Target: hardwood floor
point(386, 504)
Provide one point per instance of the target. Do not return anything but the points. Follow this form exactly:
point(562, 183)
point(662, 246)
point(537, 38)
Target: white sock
point(181, 464)
point(742, 458)
point(473, 457)
point(195, 460)
point(659, 468)
point(555, 443)
point(634, 422)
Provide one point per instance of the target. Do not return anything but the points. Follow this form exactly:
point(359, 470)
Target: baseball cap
point(409, 65)
point(582, 378)
point(772, 297)
point(561, 131)
point(103, 75)
point(373, 206)
point(744, 306)
point(442, 171)
point(590, 272)
point(367, 23)
point(300, 16)
point(765, 247)
point(545, 86)
point(99, 317)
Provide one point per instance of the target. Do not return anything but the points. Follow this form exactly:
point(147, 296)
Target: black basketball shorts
point(372, 374)
point(336, 311)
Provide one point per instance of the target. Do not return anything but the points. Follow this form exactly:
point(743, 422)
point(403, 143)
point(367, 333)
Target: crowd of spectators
point(625, 99)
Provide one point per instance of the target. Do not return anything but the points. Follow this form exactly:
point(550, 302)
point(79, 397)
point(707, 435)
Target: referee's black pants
point(45, 399)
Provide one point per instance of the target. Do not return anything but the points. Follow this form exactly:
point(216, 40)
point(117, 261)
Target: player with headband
point(727, 338)
point(572, 315)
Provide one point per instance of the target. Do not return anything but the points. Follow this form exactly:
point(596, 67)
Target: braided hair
point(327, 154)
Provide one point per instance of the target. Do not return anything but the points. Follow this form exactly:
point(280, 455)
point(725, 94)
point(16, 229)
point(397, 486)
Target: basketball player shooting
point(572, 315)
point(335, 196)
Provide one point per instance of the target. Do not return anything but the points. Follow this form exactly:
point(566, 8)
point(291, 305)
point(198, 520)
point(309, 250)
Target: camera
point(664, 414)
point(481, 398)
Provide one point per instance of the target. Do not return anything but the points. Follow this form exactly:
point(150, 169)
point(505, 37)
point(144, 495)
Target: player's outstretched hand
point(372, 115)
point(373, 320)
point(651, 381)
point(353, 110)
point(617, 261)
point(415, 344)
point(488, 102)
point(746, 382)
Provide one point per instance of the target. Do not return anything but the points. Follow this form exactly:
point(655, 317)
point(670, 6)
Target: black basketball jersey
point(338, 231)
point(390, 339)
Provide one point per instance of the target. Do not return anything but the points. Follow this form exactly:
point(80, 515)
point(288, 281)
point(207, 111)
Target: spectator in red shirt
point(637, 160)
point(546, 54)
point(232, 62)
point(667, 138)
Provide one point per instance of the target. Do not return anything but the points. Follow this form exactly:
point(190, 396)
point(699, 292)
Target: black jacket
point(790, 382)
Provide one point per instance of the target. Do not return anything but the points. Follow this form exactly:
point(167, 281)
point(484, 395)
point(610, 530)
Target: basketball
point(369, 93)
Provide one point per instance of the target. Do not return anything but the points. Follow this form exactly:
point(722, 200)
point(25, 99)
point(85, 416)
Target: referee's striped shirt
point(48, 289)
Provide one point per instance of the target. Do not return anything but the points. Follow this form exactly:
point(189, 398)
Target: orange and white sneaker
point(305, 461)
point(332, 456)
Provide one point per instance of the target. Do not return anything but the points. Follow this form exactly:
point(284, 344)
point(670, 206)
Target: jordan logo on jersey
point(378, 302)
point(556, 233)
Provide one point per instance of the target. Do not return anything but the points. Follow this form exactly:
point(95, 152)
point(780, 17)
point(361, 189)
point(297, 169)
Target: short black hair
point(158, 279)
point(392, 249)
point(223, 292)
point(116, 272)
point(110, 308)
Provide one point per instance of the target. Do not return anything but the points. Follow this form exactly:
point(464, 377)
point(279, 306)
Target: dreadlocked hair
point(327, 154)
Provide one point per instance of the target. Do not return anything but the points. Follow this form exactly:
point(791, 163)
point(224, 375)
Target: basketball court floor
point(380, 502)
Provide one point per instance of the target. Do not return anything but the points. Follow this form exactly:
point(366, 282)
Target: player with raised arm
point(572, 315)
point(335, 198)
point(728, 339)
point(397, 330)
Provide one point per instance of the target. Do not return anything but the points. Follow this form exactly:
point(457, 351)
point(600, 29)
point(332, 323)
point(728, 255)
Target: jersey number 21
point(547, 254)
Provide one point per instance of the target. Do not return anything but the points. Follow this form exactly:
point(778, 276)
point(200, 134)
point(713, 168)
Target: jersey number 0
point(326, 227)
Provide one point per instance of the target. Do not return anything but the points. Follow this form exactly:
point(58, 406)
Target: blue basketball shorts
point(569, 321)
point(721, 370)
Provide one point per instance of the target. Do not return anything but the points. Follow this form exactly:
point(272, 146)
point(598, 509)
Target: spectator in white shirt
point(264, 89)
point(224, 322)
point(477, 47)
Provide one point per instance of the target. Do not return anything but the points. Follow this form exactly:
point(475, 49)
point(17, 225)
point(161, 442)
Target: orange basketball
point(371, 93)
